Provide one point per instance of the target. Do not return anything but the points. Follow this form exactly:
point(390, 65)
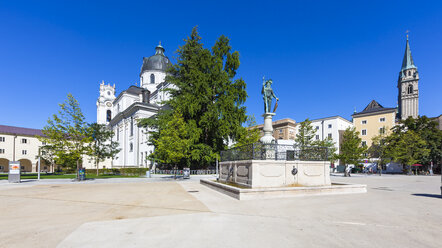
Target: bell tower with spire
point(408, 87)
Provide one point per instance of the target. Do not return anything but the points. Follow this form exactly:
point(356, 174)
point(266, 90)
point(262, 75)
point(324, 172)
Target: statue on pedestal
point(268, 95)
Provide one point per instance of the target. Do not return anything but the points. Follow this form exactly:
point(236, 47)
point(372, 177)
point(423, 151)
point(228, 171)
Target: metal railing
point(180, 172)
point(258, 151)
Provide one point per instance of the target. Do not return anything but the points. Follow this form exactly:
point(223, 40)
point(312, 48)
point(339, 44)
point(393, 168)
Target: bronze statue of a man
point(268, 95)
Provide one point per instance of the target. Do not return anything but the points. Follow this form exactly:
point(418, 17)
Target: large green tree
point(172, 146)
point(250, 134)
point(351, 150)
point(102, 146)
point(378, 150)
point(407, 147)
point(306, 133)
point(208, 94)
point(67, 134)
point(329, 144)
point(311, 148)
point(427, 130)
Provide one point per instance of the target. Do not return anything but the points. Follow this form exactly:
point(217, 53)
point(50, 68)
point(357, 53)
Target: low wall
point(282, 192)
point(275, 173)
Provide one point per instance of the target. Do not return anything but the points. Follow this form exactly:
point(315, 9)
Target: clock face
point(109, 104)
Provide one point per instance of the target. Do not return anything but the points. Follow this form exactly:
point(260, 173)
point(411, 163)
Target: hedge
point(119, 171)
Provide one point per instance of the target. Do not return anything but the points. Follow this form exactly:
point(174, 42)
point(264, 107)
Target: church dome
point(157, 62)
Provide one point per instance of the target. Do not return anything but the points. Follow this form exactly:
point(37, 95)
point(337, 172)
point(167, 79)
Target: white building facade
point(122, 113)
point(331, 127)
point(21, 144)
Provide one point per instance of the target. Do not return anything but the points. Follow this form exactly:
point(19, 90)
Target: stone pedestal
point(268, 129)
point(276, 173)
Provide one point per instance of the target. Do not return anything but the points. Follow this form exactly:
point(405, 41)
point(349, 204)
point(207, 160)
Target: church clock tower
point(408, 86)
point(105, 103)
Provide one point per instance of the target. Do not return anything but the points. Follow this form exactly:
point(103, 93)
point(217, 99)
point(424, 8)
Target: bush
point(119, 171)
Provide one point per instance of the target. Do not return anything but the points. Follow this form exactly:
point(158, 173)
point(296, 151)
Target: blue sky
point(325, 57)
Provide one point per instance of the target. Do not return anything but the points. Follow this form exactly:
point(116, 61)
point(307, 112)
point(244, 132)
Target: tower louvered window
point(152, 79)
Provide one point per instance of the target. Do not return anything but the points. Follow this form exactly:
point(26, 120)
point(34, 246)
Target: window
point(364, 143)
point(152, 78)
point(280, 130)
point(2, 139)
point(43, 153)
point(108, 115)
point(329, 125)
point(382, 119)
point(317, 127)
point(364, 122)
point(2, 151)
point(24, 141)
point(329, 136)
point(409, 73)
point(24, 152)
point(410, 89)
point(118, 133)
point(382, 130)
point(131, 147)
point(317, 137)
point(131, 126)
point(364, 131)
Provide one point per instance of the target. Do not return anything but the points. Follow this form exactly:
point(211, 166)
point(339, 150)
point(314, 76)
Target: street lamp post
point(39, 163)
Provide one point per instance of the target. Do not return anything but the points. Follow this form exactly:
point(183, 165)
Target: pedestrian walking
point(348, 169)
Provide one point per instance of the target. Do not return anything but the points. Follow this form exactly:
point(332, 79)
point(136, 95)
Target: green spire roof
point(407, 62)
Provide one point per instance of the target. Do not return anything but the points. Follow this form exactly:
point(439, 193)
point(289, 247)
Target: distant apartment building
point(284, 129)
point(373, 120)
point(331, 127)
point(20, 144)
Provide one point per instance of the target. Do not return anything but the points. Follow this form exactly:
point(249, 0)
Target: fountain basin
point(283, 192)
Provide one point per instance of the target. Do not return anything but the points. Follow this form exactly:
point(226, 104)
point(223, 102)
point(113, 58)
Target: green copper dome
point(157, 62)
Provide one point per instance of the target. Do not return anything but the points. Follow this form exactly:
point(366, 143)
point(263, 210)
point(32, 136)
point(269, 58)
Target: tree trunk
point(78, 169)
point(380, 168)
point(96, 161)
point(345, 171)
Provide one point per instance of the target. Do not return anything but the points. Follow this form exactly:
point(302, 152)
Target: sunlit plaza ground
point(397, 211)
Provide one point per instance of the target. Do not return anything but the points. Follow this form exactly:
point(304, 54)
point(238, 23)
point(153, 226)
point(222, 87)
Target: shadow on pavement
point(429, 195)
point(28, 180)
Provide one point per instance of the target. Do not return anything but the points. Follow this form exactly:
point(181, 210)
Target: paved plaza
point(397, 211)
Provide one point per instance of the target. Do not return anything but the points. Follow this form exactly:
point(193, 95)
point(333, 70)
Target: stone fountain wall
point(275, 173)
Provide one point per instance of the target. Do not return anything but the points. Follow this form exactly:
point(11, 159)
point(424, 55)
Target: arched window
point(410, 89)
point(108, 115)
point(409, 73)
point(131, 147)
point(152, 78)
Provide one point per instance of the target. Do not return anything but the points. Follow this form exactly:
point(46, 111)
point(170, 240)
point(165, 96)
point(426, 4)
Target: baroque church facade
point(408, 87)
point(121, 113)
